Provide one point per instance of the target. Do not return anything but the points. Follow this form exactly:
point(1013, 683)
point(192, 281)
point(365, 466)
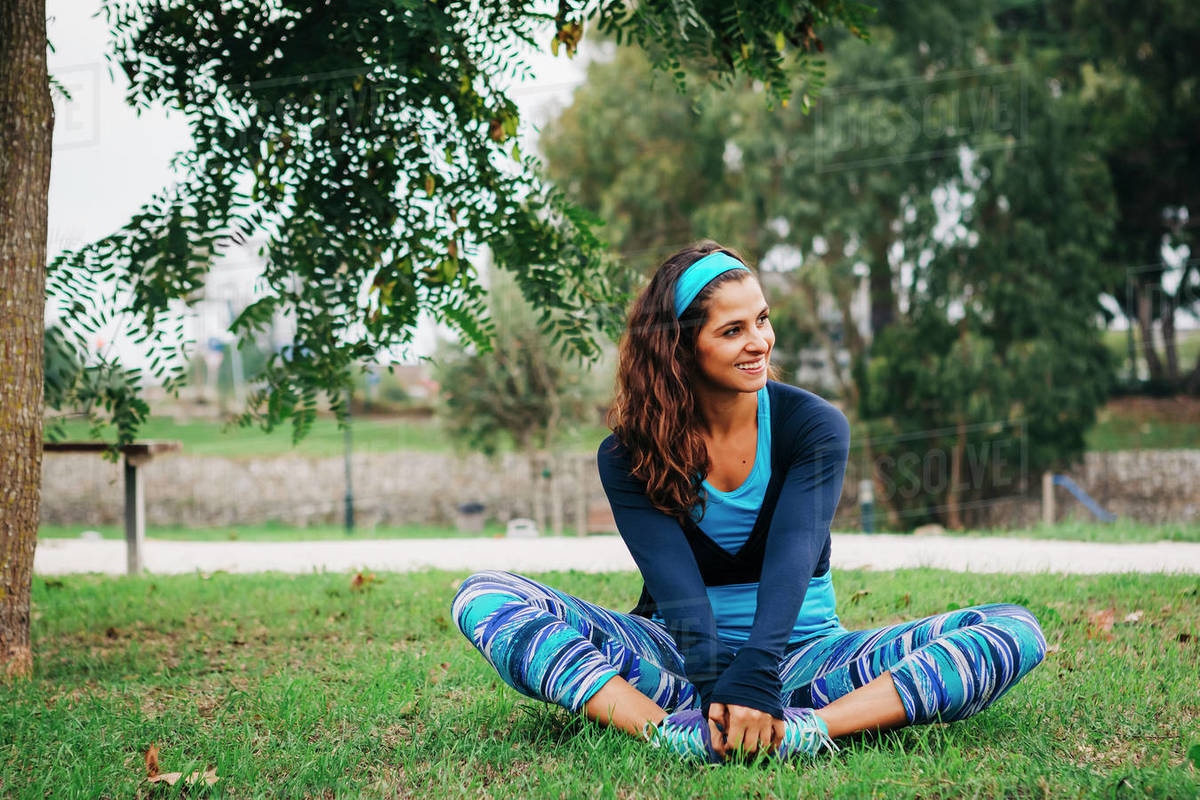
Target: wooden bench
point(136, 454)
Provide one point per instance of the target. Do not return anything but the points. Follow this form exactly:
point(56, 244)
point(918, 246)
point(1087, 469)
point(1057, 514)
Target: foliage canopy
point(372, 143)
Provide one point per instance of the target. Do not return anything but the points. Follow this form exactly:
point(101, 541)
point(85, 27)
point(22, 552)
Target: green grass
point(1084, 531)
point(1120, 531)
point(382, 435)
point(270, 532)
point(369, 435)
point(300, 686)
point(1187, 343)
point(1129, 433)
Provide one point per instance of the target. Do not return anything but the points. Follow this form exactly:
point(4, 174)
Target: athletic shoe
point(684, 733)
point(803, 732)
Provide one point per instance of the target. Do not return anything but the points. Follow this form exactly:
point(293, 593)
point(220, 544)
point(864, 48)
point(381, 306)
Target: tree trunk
point(26, 136)
point(536, 485)
point(954, 493)
point(1169, 341)
point(1192, 386)
point(1146, 324)
point(883, 498)
point(883, 296)
point(556, 499)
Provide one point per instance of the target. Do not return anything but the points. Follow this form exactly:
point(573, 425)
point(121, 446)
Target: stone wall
point(389, 489)
point(426, 488)
point(1151, 486)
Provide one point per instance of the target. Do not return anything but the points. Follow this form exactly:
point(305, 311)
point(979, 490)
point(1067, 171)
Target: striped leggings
point(560, 649)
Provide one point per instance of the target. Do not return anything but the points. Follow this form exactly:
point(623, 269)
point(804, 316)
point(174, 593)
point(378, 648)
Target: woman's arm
point(797, 541)
point(662, 554)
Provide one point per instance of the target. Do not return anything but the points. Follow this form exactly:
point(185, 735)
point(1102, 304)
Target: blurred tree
point(370, 141)
point(523, 389)
point(941, 174)
point(1136, 70)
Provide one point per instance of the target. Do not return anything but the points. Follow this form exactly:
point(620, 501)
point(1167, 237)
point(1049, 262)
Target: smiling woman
point(704, 432)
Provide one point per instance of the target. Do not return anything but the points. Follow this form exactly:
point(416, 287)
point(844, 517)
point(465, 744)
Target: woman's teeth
point(753, 365)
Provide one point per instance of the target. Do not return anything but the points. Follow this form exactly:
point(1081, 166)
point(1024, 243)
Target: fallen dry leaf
point(171, 778)
point(859, 595)
point(152, 761)
point(1100, 623)
point(360, 580)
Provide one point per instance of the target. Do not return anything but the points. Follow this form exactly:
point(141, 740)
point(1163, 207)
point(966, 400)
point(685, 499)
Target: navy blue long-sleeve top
point(810, 438)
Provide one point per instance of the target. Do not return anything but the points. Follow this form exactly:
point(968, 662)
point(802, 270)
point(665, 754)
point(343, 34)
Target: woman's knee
point(1023, 625)
point(482, 593)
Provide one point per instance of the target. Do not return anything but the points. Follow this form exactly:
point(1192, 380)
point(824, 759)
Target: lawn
point(304, 686)
point(1146, 423)
point(1125, 424)
point(271, 532)
point(1122, 530)
point(368, 434)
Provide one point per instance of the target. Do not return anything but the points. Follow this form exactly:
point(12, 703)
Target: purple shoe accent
point(684, 733)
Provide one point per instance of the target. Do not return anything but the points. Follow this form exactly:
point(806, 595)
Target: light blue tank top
point(728, 520)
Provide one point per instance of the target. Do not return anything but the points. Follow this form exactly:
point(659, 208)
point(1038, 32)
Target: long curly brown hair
point(655, 413)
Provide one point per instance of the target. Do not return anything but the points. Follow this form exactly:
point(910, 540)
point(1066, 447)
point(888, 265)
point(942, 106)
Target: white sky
point(108, 160)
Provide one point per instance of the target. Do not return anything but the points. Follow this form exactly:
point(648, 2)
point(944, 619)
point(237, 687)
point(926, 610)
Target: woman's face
point(736, 332)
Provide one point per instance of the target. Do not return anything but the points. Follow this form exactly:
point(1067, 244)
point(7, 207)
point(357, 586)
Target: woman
point(734, 646)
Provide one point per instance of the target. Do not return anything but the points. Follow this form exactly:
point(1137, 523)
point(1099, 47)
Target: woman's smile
point(753, 367)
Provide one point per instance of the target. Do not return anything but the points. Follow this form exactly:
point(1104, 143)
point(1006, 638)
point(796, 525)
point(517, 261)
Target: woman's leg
point(941, 668)
point(560, 649)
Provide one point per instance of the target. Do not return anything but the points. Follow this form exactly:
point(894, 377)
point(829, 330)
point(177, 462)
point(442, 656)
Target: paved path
point(603, 554)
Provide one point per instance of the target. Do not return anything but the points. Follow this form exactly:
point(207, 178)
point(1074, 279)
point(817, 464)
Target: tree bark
point(883, 296)
point(954, 492)
point(1146, 324)
point(1192, 386)
point(1169, 340)
point(26, 136)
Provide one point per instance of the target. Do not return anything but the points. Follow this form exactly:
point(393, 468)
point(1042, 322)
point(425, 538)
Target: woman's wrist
point(752, 680)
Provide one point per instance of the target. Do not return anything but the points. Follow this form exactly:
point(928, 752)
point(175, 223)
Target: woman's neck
point(725, 412)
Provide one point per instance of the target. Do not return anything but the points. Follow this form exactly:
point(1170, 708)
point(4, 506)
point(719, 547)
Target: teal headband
point(697, 276)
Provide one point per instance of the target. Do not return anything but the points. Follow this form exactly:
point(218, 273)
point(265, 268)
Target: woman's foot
point(804, 732)
point(686, 733)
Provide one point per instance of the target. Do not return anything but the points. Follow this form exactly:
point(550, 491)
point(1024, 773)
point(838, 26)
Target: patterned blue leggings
point(560, 649)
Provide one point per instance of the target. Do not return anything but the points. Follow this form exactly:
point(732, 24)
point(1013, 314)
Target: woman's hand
point(745, 728)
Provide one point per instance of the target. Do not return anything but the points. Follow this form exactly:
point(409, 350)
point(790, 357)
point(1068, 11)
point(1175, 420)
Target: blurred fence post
point(866, 504)
point(581, 465)
point(536, 471)
point(556, 498)
point(1047, 498)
